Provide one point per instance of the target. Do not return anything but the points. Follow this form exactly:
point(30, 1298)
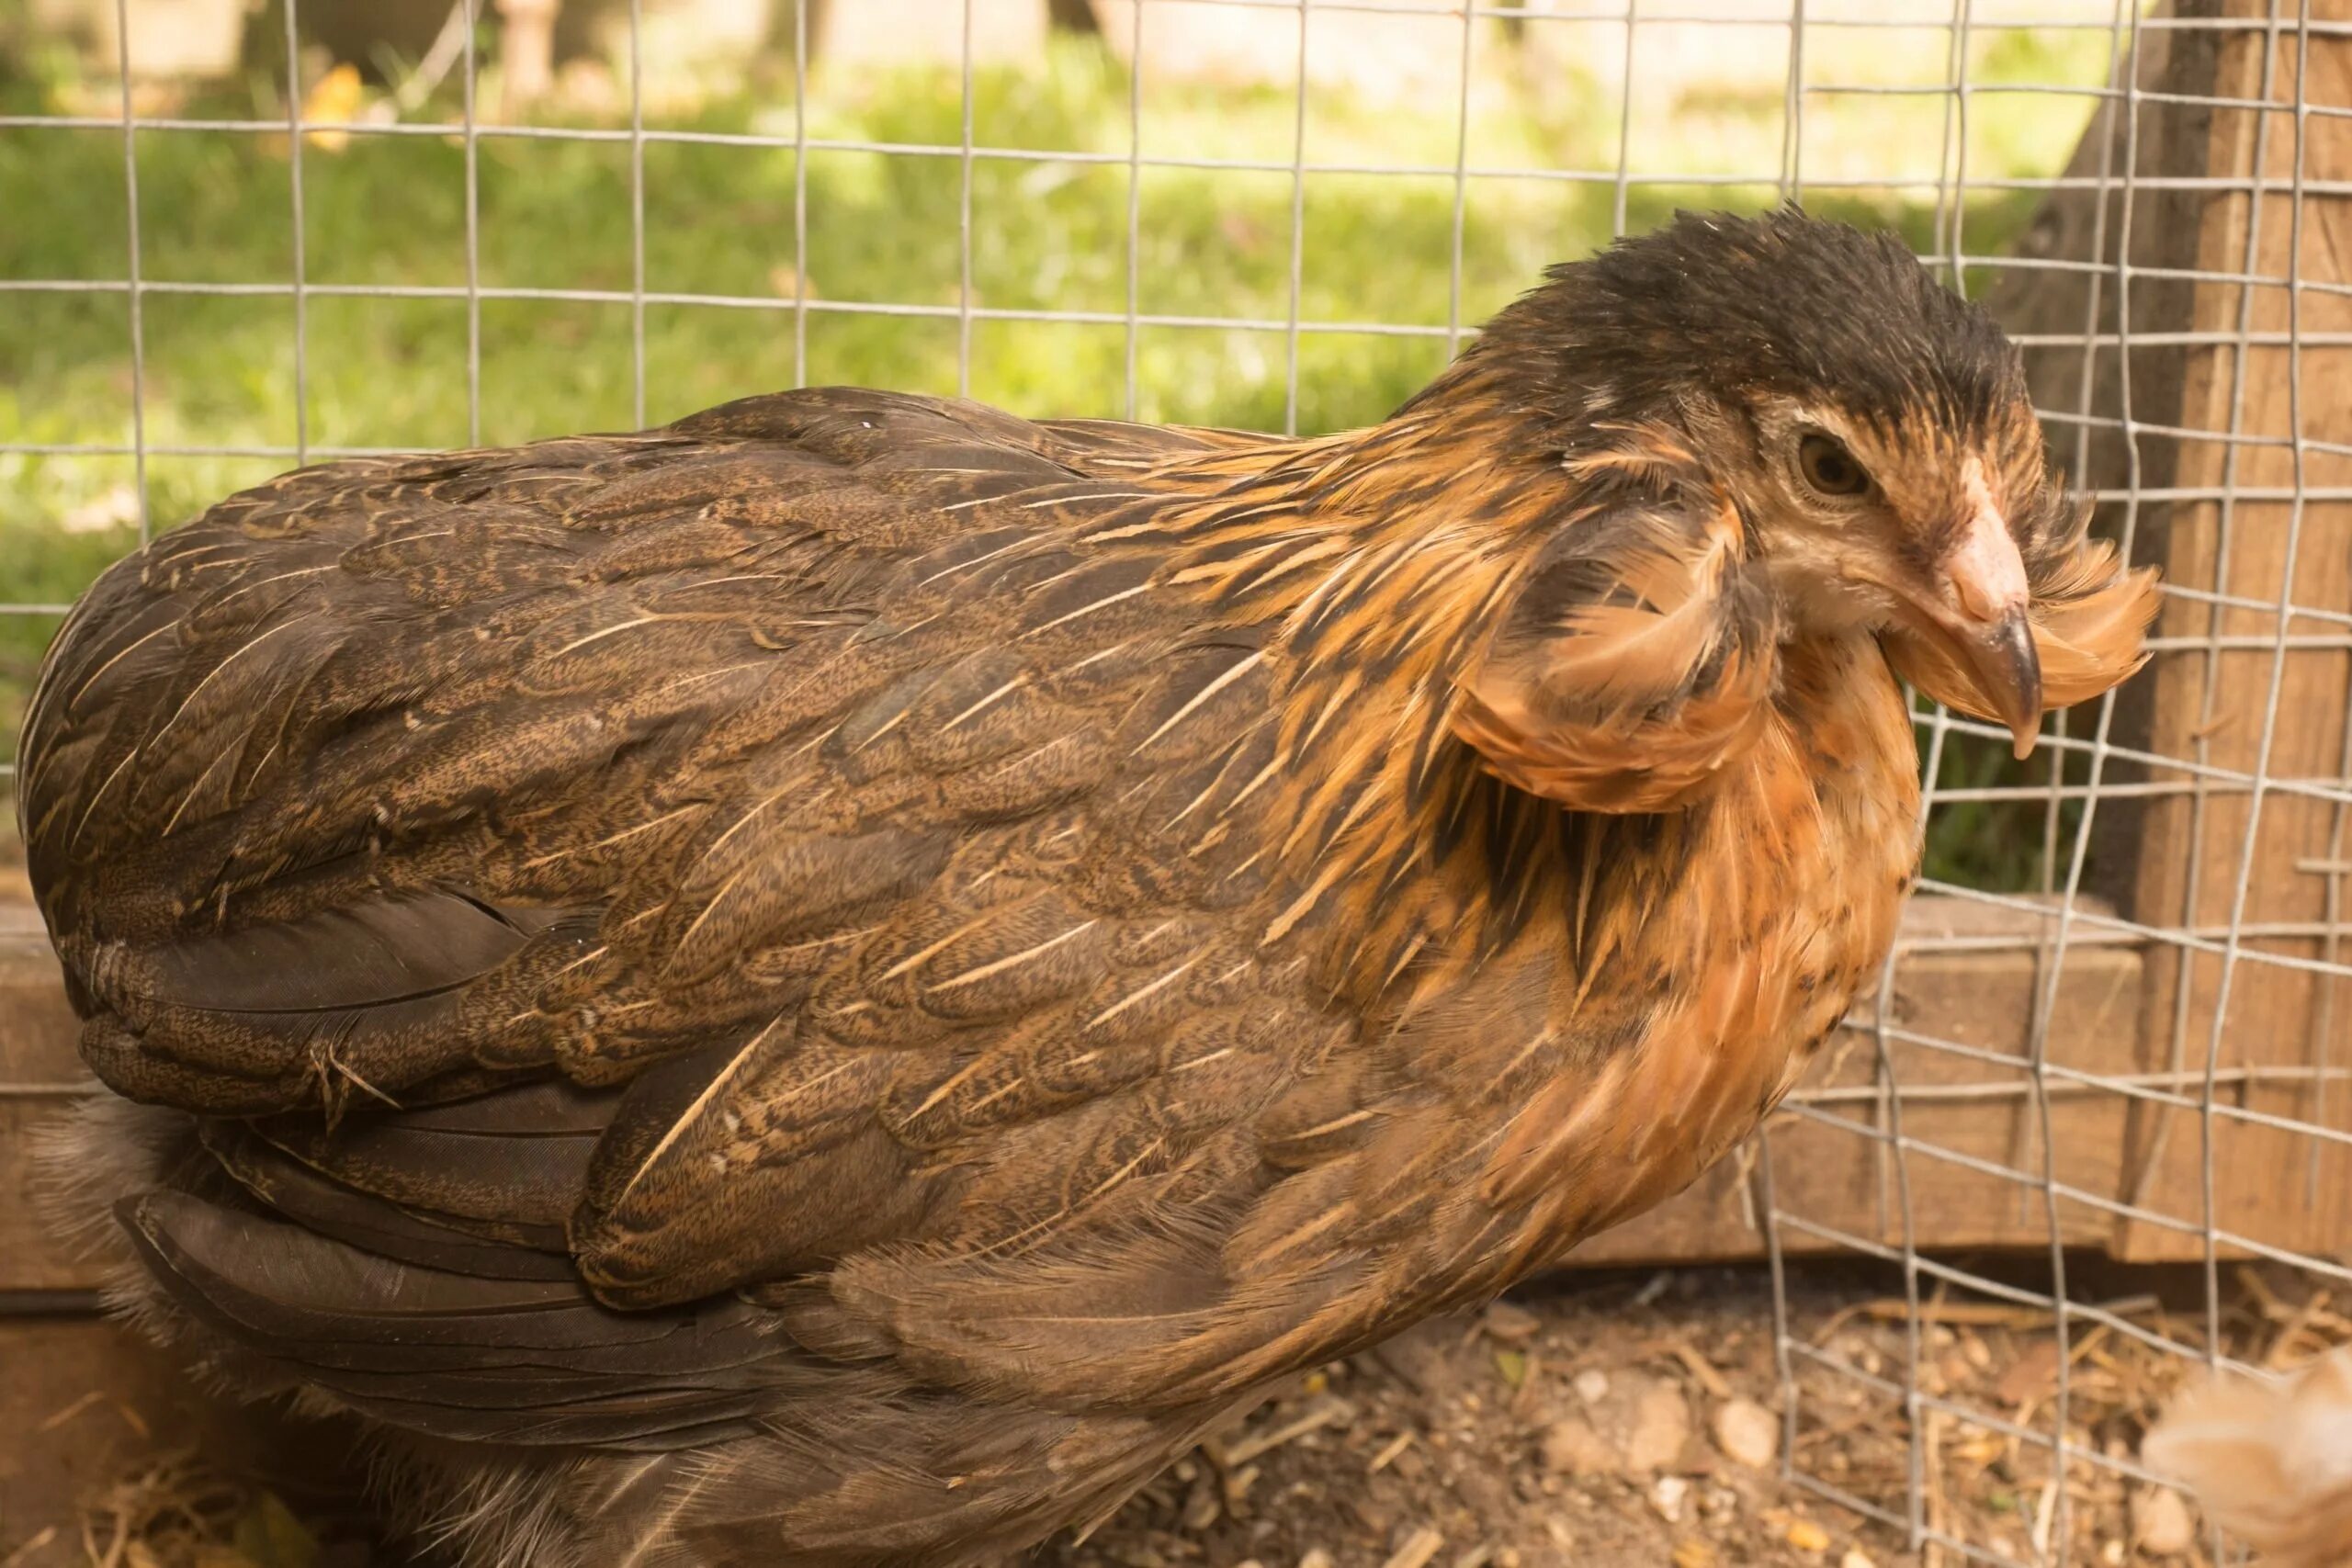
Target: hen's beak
point(1975, 607)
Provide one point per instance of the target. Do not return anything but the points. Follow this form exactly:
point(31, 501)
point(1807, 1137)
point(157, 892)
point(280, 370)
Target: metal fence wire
point(2146, 1059)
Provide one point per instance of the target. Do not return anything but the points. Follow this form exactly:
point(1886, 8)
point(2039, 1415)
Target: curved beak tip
point(2008, 666)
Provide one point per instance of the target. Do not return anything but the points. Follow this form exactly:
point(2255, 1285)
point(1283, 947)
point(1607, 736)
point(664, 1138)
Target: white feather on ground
point(2270, 1460)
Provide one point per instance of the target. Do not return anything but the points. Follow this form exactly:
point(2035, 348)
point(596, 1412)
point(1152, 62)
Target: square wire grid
point(2195, 1088)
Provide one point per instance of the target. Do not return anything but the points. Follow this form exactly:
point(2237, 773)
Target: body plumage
point(833, 983)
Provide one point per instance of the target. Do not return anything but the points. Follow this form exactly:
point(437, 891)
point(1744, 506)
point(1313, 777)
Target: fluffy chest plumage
point(1679, 971)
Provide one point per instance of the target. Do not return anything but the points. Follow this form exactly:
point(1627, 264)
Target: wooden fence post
point(2259, 872)
point(2240, 244)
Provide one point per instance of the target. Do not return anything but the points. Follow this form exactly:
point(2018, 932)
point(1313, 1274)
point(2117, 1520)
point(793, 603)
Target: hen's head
point(1872, 428)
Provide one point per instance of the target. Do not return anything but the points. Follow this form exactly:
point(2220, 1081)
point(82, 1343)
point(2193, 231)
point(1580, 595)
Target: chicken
point(2271, 1461)
point(836, 982)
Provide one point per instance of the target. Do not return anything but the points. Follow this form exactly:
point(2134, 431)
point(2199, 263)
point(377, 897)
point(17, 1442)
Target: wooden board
point(37, 1068)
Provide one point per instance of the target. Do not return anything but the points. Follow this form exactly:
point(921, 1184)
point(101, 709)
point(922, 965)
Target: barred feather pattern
point(833, 981)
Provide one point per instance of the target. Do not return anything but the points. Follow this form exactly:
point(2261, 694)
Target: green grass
point(217, 207)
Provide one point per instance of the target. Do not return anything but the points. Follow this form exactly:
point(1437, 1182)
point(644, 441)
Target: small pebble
point(1748, 1434)
point(1572, 1447)
point(1661, 1425)
point(1316, 1558)
point(1512, 1325)
point(1807, 1535)
point(1856, 1558)
point(1591, 1385)
point(1667, 1495)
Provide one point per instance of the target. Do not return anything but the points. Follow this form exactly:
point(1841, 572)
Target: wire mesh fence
point(2112, 1031)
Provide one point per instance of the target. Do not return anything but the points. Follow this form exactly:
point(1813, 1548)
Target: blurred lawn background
point(217, 207)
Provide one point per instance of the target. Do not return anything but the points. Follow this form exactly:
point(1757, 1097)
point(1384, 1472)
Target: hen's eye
point(1829, 467)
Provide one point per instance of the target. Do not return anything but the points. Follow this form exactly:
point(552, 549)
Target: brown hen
point(835, 982)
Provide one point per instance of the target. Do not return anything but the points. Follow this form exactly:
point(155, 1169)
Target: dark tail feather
point(527, 1361)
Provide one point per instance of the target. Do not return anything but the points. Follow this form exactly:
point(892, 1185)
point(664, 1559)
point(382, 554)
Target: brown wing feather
point(787, 766)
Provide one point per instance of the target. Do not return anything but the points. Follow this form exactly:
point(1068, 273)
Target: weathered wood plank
point(36, 1065)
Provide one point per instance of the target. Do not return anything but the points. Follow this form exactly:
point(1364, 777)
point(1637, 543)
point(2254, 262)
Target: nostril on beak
point(1985, 570)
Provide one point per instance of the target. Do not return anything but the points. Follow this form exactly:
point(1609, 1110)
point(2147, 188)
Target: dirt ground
point(1585, 1423)
point(1604, 1421)
point(1636, 1419)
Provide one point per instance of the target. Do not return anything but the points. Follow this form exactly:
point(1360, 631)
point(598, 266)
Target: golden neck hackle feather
point(1385, 560)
